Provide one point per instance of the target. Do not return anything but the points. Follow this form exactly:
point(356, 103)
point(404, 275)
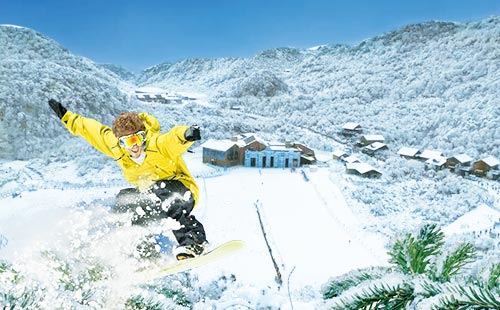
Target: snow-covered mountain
point(442, 74)
point(122, 72)
point(34, 68)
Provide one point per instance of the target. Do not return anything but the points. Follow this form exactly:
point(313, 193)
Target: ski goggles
point(129, 141)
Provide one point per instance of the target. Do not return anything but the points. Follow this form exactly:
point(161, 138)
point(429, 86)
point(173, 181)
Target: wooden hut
point(362, 169)
point(430, 154)
point(459, 163)
point(369, 139)
point(408, 152)
point(224, 153)
point(436, 163)
point(338, 155)
point(374, 147)
point(351, 129)
point(485, 166)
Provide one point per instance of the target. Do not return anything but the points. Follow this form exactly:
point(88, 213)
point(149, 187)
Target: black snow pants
point(163, 200)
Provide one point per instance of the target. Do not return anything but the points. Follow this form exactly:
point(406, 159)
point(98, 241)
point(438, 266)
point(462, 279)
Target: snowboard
point(223, 250)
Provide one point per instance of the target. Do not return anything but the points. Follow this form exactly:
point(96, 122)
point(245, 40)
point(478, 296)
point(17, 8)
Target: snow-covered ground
point(51, 233)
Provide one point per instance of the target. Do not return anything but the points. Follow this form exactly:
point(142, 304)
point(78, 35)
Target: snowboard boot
point(189, 251)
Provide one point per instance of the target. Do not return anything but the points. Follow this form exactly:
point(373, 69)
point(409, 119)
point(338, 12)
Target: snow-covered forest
point(429, 86)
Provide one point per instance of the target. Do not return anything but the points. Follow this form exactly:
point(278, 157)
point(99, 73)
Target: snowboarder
point(152, 162)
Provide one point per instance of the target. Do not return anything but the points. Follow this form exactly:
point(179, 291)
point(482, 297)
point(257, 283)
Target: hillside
point(442, 74)
point(34, 68)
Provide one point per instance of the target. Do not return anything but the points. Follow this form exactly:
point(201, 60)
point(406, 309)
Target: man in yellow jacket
point(152, 162)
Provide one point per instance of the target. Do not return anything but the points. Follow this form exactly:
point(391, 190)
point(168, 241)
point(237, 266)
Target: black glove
point(193, 133)
point(58, 108)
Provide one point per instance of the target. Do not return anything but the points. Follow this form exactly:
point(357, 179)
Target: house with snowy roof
point(351, 129)
point(248, 141)
point(369, 139)
point(307, 155)
point(374, 147)
point(362, 169)
point(224, 153)
point(408, 152)
point(460, 164)
point(338, 155)
point(435, 163)
point(487, 167)
point(430, 154)
point(350, 159)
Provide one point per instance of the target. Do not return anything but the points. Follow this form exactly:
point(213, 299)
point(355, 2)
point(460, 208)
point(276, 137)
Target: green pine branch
point(351, 279)
point(470, 298)
point(494, 278)
point(399, 254)
point(413, 255)
point(431, 289)
point(456, 260)
point(417, 257)
point(379, 297)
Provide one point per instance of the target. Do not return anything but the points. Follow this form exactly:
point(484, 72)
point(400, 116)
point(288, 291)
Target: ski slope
point(312, 233)
point(309, 226)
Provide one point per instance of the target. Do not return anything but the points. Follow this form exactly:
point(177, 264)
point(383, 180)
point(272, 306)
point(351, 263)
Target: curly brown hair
point(127, 123)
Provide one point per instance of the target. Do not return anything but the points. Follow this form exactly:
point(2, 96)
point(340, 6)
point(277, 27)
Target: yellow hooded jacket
point(163, 151)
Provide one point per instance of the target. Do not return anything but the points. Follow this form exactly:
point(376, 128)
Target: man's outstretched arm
point(98, 135)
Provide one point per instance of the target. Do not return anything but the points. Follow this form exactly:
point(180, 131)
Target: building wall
point(452, 162)
point(272, 159)
point(253, 146)
point(351, 132)
point(481, 168)
point(221, 158)
point(304, 149)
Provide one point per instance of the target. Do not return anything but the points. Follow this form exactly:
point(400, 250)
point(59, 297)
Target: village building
point(436, 163)
point(369, 139)
point(250, 151)
point(350, 159)
point(246, 142)
point(374, 147)
point(362, 169)
point(429, 154)
point(487, 167)
point(408, 152)
point(307, 155)
point(351, 129)
point(152, 94)
point(222, 153)
point(338, 155)
point(273, 156)
point(460, 164)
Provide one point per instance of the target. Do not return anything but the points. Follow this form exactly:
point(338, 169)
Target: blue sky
point(138, 34)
